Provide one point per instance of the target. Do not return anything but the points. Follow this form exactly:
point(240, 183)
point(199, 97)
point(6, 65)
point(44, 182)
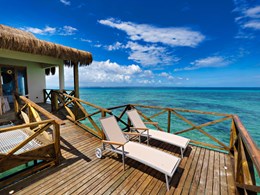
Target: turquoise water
point(244, 102)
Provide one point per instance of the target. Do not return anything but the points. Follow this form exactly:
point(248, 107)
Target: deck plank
point(230, 177)
point(216, 182)
point(223, 174)
point(210, 174)
point(204, 171)
point(185, 173)
point(201, 171)
point(188, 181)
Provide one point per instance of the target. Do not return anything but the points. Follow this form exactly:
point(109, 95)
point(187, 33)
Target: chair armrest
point(132, 133)
point(139, 128)
point(114, 143)
point(151, 123)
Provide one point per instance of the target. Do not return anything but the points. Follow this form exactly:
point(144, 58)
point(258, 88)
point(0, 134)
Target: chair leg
point(123, 158)
point(181, 153)
point(167, 182)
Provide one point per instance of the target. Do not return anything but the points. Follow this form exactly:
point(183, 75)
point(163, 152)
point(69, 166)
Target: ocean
point(244, 102)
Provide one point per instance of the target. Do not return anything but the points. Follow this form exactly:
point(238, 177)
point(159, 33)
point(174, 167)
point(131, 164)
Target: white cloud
point(149, 55)
point(249, 18)
point(115, 46)
point(65, 30)
point(172, 36)
point(65, 2)
point(212, 62)
point(85, 40)
point(107, 73)
point(44, 31)
point(164, 74)
point(253, 12)
point(149, 45)
point(253, 24)
point(146, 55)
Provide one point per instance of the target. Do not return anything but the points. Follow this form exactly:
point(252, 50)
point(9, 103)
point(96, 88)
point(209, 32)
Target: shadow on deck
point(201, 171)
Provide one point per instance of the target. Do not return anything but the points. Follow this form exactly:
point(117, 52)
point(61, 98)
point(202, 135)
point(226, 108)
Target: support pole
point(61, 77)
point(76, 79)
point(1, 88)
point(169, 121)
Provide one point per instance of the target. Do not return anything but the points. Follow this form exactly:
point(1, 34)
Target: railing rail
point(239, 144)
point(246, 157)
point(47, 93)
point(74, 106)
point(43, 137)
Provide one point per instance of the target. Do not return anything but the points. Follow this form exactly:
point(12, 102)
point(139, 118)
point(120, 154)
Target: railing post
point(54, 101)
point(56, 135)
point(44, 95)
point(169, 121)
point(16, 104)
point(103, 114)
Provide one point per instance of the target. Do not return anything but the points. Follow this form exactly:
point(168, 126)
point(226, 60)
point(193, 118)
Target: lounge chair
point(154, 158)
point(169, 138)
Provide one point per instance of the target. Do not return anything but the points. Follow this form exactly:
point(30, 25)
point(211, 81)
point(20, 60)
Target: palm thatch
point(19, 40)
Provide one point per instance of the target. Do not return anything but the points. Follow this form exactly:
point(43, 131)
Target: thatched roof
point(19, 40)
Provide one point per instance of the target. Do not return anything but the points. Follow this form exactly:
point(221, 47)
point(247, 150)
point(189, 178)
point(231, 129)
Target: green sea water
point(244, 102)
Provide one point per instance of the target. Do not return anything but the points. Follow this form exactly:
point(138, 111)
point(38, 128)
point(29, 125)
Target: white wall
point(35, 77)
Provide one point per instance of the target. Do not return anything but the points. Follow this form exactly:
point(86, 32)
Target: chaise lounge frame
point(156, 159)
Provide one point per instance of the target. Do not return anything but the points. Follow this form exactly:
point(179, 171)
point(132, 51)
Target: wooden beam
point(250, 145)
point(87, 103)
point(76, 79)
point(1, 87)
point(61, 77)
point(23, 143)
point(169, 122)
point(42, 110)
point(11, 128)
point(252, 188)
point(148, 119)
point(203, 125)
point(202, 131)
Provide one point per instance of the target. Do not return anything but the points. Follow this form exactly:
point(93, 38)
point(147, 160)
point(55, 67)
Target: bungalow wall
point(35, 77)
point(35, 65)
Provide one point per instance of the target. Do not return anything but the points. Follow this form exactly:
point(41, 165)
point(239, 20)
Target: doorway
point(13, 79)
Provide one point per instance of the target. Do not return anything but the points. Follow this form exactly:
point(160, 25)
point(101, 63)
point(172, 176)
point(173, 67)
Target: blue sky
point(173, 43)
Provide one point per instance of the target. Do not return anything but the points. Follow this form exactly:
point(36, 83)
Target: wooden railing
point(78, 112)
point(246, 158)
point(230, 135)
point(46, 133)
point(48, 93)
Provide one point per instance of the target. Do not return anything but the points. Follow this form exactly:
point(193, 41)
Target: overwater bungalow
point(41, 153)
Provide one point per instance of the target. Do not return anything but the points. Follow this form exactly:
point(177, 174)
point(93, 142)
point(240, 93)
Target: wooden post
point(61, 77)
point(76, 78)
point(16, 81)
point(103, 114)
point(1, 87)
point(169, 121)
point(56, 140)
point(54, 101)
point(44, 95)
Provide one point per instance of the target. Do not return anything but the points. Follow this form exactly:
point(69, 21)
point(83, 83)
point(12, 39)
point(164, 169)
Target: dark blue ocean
point(244, 102)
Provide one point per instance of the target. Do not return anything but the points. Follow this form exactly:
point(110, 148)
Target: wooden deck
point(202, 171)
